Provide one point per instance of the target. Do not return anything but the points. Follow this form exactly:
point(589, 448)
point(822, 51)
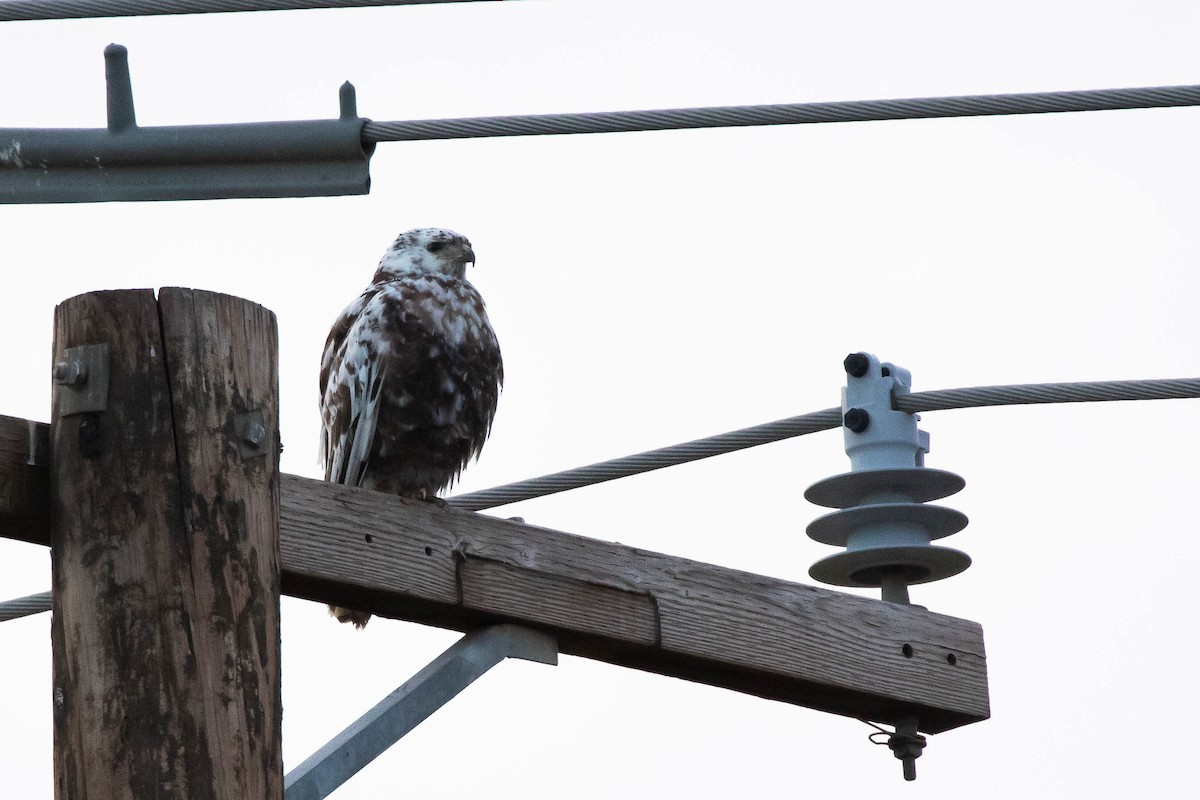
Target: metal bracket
point(125, 162)
point(252, 434)
point(83, 375)
point(412, 703)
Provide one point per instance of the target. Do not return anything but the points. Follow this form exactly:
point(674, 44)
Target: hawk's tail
point(358, 619)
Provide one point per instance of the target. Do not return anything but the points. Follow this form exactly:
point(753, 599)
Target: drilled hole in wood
point(428, 551)
point(369, 538)
point(951, 659)
point(907, 650)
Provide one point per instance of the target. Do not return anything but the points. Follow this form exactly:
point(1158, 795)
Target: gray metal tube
point(408, 706)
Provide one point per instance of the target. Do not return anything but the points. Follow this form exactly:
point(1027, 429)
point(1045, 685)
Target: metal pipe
point(894, 586)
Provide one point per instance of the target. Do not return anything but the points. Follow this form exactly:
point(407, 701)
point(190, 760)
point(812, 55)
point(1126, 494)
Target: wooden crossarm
point(759, 635)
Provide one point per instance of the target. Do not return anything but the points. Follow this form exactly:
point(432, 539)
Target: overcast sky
point(649, 288)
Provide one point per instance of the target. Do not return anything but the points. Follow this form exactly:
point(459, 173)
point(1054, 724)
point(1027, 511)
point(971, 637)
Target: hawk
point(410, 375)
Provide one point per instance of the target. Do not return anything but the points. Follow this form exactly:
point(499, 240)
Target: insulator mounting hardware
point(885, 522)
point(884, 519)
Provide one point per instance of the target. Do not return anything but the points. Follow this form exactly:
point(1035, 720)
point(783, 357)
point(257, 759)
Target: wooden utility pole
point(165, 541)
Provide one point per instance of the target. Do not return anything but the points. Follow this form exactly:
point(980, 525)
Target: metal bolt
point(856, 365)
point(857, 420)
point(255, 435)
point(70, 373)
point(906, 744)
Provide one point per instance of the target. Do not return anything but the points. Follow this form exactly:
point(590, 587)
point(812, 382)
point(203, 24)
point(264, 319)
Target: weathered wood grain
point(222, 360)
point(545, 598)
point(786, 641)
point(165, 626)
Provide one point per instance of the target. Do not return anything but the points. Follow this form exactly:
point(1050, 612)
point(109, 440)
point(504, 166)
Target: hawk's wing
point(352, 369)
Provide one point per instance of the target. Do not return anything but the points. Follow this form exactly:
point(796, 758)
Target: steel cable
point(1094, 391)
point(788, 114)
point(1097, 391)
point(650, 460)
point(25, 606)
point(24, 10)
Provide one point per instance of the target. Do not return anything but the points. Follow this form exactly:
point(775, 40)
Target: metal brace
point(83, 375)
point(412, 703)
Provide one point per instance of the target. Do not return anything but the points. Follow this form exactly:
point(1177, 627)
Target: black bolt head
point(857, 420)
point(856, 365)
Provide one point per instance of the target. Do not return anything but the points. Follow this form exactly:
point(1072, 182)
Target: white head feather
point(426, 251)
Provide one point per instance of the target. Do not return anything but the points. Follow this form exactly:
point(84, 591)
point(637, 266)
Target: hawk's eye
point(433, 247)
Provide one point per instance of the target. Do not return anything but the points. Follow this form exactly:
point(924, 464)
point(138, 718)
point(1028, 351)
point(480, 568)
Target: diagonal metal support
point(408, 706)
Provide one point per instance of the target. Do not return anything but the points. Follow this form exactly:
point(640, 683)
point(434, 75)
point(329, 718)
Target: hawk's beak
point(469, 256)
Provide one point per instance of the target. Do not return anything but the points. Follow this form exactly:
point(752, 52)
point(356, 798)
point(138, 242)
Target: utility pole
point(165, 542)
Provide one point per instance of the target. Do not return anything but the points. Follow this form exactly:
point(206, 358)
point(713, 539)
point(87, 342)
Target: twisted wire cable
point(25, 606)
point(1084, 392)
point(651, 460)
point(1094, 391)
point(24, 10)
point(785, 114)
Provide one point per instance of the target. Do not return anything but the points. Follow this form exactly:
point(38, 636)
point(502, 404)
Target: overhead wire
point(626, 466)
point(25, 606)
point(27, 10)
point(784, 114)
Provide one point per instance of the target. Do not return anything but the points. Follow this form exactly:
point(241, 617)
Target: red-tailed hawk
point(410, 375)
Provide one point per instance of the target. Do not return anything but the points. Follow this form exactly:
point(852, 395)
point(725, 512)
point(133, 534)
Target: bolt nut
point(255, 434)
point(856, 365)
point(857, 420)
point(70, 373)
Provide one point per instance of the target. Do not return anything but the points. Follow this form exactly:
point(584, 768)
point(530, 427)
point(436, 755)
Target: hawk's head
point(426, 251)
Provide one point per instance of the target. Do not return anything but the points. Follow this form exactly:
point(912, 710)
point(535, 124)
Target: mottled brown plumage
point(410, 376)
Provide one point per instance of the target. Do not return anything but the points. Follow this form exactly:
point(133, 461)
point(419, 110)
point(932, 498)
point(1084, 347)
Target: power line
point(785, 114)
point(1031, 393)
point(1096, 391)
point(25, 606)
point(650, 460)
point(24, 10)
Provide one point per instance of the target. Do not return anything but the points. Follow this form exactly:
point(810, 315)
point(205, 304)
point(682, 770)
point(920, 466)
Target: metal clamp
point(82, 373)
point(125, 162)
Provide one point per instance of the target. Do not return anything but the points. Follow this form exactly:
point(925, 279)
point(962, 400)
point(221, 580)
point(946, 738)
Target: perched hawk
point(410, 375)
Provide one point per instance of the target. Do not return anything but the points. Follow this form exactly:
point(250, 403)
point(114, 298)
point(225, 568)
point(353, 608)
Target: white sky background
point(649, 288)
